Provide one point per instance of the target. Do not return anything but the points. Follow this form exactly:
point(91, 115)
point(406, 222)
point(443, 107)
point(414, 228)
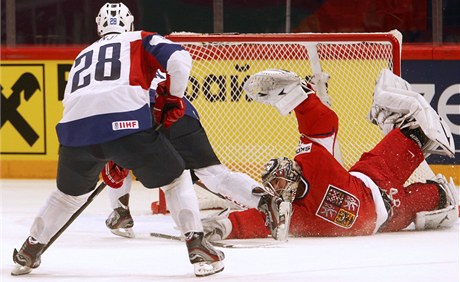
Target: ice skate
point(120, 222)
point(205, 258)
point(28, 257)
point(278, 215)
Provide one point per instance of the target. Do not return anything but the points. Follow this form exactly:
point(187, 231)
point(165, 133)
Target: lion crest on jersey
point(339, 207)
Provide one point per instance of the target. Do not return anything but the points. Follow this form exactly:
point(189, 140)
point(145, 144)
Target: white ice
point(88, 252)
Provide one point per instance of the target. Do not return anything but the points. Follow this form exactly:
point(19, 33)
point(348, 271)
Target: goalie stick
point(20, 270)
point(221, 244)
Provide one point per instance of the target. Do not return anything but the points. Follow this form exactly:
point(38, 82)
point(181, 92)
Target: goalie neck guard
point(114, 18)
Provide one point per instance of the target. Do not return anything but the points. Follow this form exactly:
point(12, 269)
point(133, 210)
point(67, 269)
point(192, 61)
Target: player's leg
point(183, 205)
point(78, 173)
point(120, 221)
point(157, 164)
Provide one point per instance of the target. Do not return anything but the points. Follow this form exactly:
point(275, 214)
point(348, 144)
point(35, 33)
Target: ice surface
point(88, 252)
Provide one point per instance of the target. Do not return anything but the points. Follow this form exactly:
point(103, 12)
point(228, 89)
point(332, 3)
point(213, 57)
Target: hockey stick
point(81, 209)
point(221, 244)
point(19, 270)
point(76, 214)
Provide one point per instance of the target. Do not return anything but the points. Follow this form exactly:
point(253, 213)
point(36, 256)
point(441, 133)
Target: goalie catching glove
point(114, 175)
point(168, 108)
point(279, 88)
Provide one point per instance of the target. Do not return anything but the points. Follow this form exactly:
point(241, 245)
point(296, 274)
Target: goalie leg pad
point(395, 104)
point(443, 218)
point(447, 215)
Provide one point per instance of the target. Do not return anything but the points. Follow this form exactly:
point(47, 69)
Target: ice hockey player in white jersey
point(107, 118)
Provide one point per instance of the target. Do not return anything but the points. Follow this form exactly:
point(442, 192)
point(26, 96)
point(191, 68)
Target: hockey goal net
point(244, 134)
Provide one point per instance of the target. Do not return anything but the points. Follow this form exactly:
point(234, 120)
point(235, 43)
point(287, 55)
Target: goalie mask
point(114, 18)
point(282, 177)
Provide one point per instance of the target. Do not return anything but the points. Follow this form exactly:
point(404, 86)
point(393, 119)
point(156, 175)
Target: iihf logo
point(125, 124)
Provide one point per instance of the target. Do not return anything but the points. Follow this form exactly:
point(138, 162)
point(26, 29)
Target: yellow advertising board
point(31, 108)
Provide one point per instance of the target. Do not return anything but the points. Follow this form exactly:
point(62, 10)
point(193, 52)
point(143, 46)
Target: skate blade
point(124, 232)
point(20, 270)
point(203, 269)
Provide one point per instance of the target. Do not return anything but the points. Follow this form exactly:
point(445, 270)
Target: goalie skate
point(120, 223)
point(205, 258)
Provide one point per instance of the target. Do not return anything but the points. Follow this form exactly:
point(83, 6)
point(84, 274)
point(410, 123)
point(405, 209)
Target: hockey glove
point(168, 108)
point(114, 175)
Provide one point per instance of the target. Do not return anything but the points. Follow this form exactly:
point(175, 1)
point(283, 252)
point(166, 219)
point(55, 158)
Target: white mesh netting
point(245, 134)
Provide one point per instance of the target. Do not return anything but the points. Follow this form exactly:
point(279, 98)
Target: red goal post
point(245, 134)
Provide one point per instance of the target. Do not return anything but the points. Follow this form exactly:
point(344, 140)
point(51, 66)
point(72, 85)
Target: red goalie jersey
point(337, 202)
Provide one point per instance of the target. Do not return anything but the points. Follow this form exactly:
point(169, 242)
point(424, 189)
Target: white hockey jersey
point(106, 95)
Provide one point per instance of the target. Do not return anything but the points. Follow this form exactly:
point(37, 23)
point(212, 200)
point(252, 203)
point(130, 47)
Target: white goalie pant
point(235, 186)
point(183, 203)
point(58, 209)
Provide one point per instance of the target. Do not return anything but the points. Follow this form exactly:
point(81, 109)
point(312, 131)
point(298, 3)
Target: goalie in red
point(331, 201)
